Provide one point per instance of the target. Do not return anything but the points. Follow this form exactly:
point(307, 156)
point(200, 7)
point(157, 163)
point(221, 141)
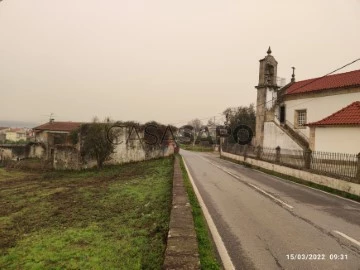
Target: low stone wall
point(66, 157)
point(5, 154)
point(36, 150)
point(21, 151)
point(334, 183)
point(182, 248)
point(13, 152)
point(129, 146)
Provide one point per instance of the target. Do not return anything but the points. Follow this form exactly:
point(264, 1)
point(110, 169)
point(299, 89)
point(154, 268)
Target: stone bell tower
point(266, 87)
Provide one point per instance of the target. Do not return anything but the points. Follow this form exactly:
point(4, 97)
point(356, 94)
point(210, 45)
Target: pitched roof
point(59, 126)
point(17, 130)
point(347, 79)
point(349, 115)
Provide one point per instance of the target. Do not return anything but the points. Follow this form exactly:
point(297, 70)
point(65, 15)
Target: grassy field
point(208, 258)
point(196, 148)
point(116, 218)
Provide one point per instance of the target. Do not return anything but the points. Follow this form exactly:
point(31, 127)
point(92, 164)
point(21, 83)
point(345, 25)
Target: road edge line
point(224, 255)
point(287, 180)
point(348, 237)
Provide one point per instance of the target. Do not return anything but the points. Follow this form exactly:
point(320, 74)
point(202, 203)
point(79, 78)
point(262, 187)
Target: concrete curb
point(182, 250)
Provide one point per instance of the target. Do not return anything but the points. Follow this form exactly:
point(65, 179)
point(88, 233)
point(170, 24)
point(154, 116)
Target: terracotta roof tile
point(19, 130)
point(59, 126)
point(349, 115)
point(347, 79)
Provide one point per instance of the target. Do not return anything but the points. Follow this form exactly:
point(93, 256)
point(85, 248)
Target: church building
point(322, 114)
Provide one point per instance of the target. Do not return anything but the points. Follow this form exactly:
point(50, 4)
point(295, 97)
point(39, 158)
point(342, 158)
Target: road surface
point(269, 223)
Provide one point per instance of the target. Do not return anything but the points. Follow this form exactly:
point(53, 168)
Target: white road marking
point(225, 257)
point(348, 238)
point(271, 196)
point(252, 185)
point(336, 232)
point(316, 189)
point(302, 185)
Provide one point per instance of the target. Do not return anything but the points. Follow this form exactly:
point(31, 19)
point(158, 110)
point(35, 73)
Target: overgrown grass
point(298, 180)
point(196, 148)
point(116, 218)
point(4, 174)
point(208, 258)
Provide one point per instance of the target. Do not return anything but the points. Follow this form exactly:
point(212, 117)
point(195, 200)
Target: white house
point(283, 113)
point(15, 134)
point(339, 132)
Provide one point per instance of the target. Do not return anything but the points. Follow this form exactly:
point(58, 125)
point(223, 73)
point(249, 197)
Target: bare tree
point(196, 124)
point(211, 122)
point(96, 141)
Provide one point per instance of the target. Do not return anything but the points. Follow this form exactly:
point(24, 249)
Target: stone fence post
point(278, 153)
point(245, 151)
point(307, 158)
point(220, 145)
point(258, 151)
point(358, 168)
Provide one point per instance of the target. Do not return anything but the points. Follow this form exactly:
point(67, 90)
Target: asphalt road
point(269, 223)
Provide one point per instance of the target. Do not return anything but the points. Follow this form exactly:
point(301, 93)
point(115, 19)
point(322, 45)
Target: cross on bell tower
point(268, 71)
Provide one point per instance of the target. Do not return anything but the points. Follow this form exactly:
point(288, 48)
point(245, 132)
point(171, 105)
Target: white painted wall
point(134, 150)
point(124, 152)
point(320, 107)
point(274, 136)
point(271, 96)
point(338, 139)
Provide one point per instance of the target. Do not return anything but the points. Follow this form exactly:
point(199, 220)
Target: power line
point(271, 100)
point(205, 118)
point(314, 80)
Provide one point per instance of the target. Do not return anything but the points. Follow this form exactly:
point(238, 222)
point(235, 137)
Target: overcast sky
point(163, 60)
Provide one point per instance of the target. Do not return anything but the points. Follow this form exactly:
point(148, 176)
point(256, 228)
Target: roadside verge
point(207, 233)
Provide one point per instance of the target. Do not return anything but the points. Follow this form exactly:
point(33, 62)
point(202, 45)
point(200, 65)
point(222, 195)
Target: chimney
point(293, 75)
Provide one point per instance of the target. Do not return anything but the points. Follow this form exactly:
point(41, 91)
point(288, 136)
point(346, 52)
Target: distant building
point(298, 115)
point(54, 133)
point(15, 135)
point(3, 134)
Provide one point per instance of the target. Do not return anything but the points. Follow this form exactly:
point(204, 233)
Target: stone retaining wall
point(182, 247)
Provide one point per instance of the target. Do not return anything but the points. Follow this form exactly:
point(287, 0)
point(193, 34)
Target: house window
point(300, 118)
